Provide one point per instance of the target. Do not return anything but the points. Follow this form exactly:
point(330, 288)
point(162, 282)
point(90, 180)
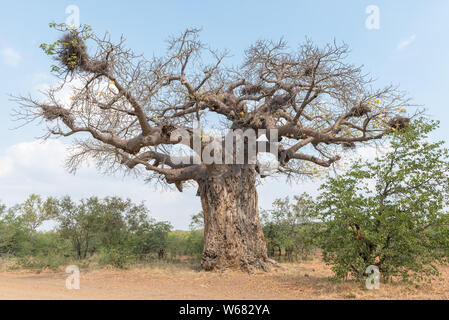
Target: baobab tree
point(126, 112)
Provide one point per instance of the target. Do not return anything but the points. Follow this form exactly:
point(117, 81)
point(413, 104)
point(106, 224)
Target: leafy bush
point(115, 257)
point(390, 212)
point(40, 262)
point(150, 238)
point(195, 242)
point(118, 230)
point(183, 243)
point(288, 227)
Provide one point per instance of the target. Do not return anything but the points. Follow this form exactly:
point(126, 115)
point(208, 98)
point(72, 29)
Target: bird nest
point(359, 111)
point(348, 145)
point(73, 52)
point(251, 89)
point(308, 71)
point(52, 113)
point(398, 122)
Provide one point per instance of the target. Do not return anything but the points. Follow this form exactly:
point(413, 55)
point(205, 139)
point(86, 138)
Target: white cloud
point(10, 57)
point(406, 42)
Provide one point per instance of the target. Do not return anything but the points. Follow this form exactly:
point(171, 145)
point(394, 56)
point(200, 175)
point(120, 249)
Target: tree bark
point(233, 237)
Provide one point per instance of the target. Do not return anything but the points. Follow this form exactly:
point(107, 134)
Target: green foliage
point(390, 212)
point(185, 243)
point(195, 242)
point(150, 238)
point(114, 231)
point(117, 230)
point(10, 232)
point(197, 221)
point(288, 228)
point(79, 224)
point(35, 211)
point(19, 224)
point(176, 243)
point(116, 257)
point(188, 243)
point(39, 262)
point(117, 225)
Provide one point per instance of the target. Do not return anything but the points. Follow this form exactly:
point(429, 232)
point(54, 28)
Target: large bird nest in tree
point(398, 123)
point(73, 55)
point(359, 111)
point(52, 113)
point(73, 52)
point(251, 89)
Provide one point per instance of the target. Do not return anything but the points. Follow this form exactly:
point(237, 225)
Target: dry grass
point(306, 280)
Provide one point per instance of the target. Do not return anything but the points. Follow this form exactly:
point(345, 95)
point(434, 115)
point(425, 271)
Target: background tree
point(116, 227)
point(124, 109)
point(392, 212)
point(288, 227)
point(151, 238)
point(188, 243)
point(7, 233)
point(197, 221)
point(19, 225)
point(195, 238)
point(35, 211)
point(78, 223)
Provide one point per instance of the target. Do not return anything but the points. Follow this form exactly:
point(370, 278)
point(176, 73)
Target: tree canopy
point(125, 110)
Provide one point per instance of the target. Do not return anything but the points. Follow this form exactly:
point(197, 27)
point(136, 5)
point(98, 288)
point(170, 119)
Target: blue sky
point(409, 49)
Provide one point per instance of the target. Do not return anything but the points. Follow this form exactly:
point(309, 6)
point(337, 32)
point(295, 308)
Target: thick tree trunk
point(233, 237)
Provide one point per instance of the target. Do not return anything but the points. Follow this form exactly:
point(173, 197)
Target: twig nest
point(251, 89)
point(279, 100)
point(398, 123)
point(96, 66)
point(359, 111)
point(308, 71)
point(348, 145)
point(167, 129)
point(73, 55)
point(73, 52)
point(52, 113)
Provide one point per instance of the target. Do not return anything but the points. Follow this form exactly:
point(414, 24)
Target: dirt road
point(307, 280)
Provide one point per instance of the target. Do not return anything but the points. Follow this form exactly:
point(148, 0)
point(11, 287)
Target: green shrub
point(195, 242)
point(288, 228)
point(391, 212)
point(185, 243)
point(115, 257)
point(40, 262)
